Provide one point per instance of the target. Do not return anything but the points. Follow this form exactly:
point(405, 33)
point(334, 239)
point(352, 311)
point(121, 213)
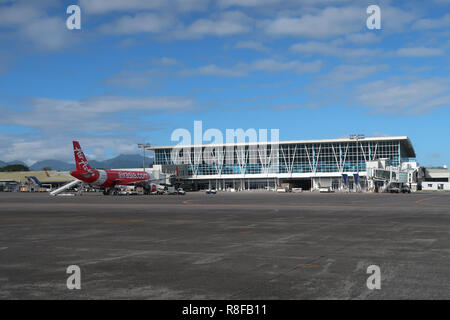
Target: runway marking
point(421, 200)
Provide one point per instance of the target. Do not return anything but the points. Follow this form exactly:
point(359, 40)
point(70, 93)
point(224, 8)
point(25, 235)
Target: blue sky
point(137, 70)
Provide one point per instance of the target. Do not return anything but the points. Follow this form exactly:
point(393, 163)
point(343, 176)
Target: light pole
point(143, 146)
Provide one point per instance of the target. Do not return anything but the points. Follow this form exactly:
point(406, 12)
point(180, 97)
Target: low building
point(33, 180)
point(437, 179)
point(435, 186)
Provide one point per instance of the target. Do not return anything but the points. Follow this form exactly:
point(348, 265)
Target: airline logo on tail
point(80, 159)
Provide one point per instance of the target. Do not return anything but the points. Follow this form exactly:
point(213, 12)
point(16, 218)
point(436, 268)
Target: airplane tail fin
point(80, 159)
point(35, 180)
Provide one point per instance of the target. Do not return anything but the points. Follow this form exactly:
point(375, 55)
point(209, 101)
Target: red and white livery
point(108, 179)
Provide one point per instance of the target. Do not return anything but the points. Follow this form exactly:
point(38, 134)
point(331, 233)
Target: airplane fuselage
point(110, 178)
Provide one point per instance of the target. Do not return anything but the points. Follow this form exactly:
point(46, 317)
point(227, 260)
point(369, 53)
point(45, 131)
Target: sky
point(138, 70)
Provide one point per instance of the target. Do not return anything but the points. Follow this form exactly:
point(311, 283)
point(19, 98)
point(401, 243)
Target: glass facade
point(285, 157)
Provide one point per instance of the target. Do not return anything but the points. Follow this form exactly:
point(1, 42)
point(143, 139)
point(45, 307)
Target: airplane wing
point(144, 183)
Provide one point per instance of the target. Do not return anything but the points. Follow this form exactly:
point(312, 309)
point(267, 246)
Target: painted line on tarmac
point(422, 200)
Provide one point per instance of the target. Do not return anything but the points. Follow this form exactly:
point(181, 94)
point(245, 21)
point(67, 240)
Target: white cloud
point(419, 52)
point(414, 97)
point(101, 105)
point(363, 38)
point(252, 45)
point(313, 47)
point(223, 24)
point(226, 24)
point(189, 5)
point(49, 34)
point(29, 23)
point(329, 22)
point(139, 23)
point(295, 66)
point(108, 6)
point(281, 107)
point(30, 150)
point(214, 70)
point(261, 65)
point(246, 3)
point(6, 61)
point(104, 6)
point(435, 103)
point(348, 73)
point(333, 49)
point(144, 73)
point(165, 62)
point(425, 24)
point(395, 20)
point(95, 114)
point(101, 122)
point(131, 79)
point(279, 3)
point(17, 14)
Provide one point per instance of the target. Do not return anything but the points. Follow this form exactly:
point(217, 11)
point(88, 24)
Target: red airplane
point(108, 179)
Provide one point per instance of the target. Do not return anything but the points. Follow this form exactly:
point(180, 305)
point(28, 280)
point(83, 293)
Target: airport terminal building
point(306, 164)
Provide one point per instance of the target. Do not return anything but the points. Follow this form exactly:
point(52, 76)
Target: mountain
point(2, 163)
point(16, 162)
point(52, 164)
point(123, 161)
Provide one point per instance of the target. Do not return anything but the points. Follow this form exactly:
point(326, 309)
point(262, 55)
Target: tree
point(14, 168)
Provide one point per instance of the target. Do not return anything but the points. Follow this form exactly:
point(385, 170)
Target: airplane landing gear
point(111, 191)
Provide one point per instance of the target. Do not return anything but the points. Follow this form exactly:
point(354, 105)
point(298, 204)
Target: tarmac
point(243, 245)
